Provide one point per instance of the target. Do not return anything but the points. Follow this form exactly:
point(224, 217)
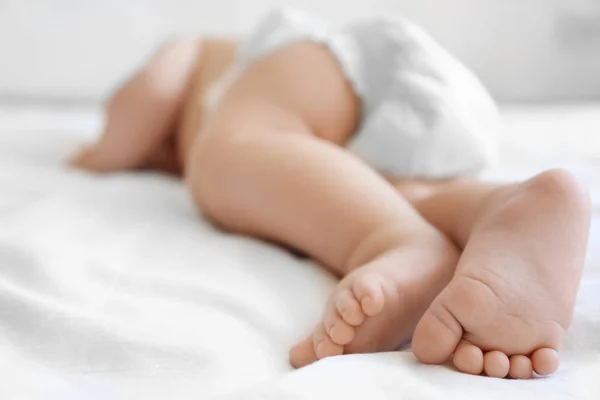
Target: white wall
point(77, 49)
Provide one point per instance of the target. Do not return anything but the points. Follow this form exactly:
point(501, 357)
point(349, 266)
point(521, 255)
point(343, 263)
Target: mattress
point(113, 287)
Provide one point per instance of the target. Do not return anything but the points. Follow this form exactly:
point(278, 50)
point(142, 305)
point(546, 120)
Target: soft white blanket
point(113, 288)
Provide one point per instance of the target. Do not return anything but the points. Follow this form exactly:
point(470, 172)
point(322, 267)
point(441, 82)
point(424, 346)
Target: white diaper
point(424, 114)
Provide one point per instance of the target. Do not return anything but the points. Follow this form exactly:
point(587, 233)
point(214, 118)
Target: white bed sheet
point(113, 288)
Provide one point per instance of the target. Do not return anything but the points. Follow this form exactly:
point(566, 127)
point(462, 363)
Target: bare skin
point(512, 298)
point(269, 161)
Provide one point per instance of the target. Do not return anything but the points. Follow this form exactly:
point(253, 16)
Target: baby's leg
point(512, 299)
point(259, 170)
point(142, 115)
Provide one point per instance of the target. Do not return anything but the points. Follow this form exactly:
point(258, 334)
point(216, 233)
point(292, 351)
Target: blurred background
point(75, 51)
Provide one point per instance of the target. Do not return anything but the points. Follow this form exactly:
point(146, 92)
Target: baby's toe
point(339, 330)
point(369, 290)
point(323, 345)
point(545, 361)
point(303, 353)
point(496, 364)
point(349, 308)
point(468, 358)
point(520, 367)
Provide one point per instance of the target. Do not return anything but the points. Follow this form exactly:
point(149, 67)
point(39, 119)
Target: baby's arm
point(142, 116)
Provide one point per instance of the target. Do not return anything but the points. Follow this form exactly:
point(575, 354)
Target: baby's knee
point(167, 71)
point(176, 47)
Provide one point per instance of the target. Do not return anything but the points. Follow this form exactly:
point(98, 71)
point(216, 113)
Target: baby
point(341, 143)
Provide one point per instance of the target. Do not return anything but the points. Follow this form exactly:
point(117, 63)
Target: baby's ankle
point(393, 236)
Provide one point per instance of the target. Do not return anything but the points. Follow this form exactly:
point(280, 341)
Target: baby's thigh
point(302, 80)
point(298, 90)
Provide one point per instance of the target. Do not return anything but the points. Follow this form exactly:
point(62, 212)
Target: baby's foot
point(376, 307)
point(512, 299)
